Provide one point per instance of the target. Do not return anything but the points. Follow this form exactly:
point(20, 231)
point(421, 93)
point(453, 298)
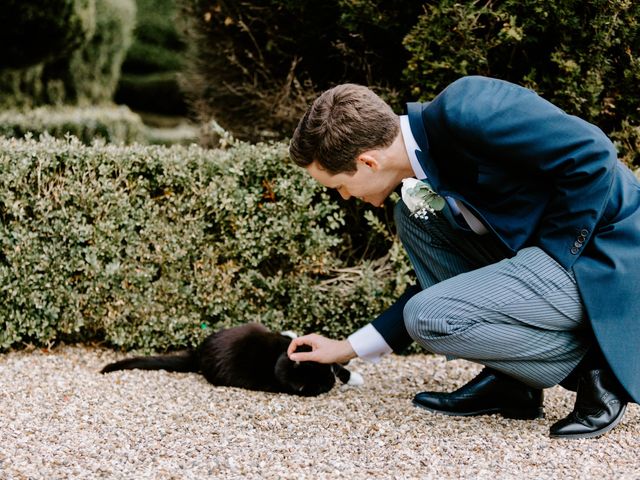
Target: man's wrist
point(348, 352)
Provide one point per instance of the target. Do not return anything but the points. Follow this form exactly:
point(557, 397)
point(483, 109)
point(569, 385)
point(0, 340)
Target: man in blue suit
point(528, 264)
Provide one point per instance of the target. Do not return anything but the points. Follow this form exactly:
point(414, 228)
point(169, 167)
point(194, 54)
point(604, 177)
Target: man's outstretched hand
point(323, 349)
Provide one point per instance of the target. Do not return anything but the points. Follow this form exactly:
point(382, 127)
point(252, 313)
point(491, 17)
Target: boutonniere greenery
point(419, 198)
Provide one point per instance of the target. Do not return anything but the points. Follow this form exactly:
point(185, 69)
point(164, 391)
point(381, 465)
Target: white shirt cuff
point(369, 344)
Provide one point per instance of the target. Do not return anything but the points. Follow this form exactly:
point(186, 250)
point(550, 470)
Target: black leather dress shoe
point(490, 392)
point(600, 405)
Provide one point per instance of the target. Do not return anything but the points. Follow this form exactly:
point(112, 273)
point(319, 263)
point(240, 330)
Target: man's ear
point(368, 159)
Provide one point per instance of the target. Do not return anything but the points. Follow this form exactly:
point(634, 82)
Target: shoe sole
point(532, 414)
point(597, 433)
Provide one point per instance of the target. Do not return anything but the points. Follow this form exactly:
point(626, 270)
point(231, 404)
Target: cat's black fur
point(249, 356)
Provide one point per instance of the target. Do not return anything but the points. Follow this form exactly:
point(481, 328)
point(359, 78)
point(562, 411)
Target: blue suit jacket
point(536, 176)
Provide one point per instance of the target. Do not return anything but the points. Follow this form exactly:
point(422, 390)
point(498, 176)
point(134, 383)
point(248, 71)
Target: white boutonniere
point(419, 198)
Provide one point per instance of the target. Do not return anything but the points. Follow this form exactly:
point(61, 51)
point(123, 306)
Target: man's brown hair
point(342, 123)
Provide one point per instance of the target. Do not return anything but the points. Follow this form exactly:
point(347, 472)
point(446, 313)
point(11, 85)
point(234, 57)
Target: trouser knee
point(425, 325)
point(431, 321)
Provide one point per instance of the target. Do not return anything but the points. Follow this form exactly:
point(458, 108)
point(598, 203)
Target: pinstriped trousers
point(522, 316)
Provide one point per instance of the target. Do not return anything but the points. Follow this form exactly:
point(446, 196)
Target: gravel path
point(61, 419)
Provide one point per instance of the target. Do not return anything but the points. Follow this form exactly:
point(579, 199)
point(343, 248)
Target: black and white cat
point(249, 356)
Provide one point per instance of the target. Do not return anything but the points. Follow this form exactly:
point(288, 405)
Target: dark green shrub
point(581, 55)
point(627, 141)
point(94, 69)
point(21, 88)
point(157, 46)
point(152, 248)
point(36, 31)
point(256, 65)
point(152, 64)
point(152, 92)
point(108, 123)
point(87, 75)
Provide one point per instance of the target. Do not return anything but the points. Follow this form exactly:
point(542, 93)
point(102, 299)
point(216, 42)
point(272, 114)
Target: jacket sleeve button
point(577, 244)
point(574, 250)
point(584, 232)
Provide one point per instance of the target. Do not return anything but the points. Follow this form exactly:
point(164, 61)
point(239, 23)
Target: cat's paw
point(355, 379)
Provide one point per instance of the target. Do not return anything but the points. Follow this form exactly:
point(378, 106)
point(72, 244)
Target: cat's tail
point(185, 361)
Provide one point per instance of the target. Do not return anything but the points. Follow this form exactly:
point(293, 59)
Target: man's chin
point(378, 202)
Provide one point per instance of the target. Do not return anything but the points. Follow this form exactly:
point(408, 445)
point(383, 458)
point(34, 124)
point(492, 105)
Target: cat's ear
point(347, 376)
point(290, 334)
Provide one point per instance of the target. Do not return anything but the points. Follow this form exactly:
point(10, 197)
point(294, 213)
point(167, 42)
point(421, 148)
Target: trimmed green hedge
point(113, 124)
point(153, 248)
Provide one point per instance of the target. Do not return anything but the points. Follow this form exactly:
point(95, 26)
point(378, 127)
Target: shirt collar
point(411, 145)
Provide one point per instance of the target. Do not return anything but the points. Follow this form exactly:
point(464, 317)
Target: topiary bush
point(154, 60)
point(108, 123)
point(157, 45)
point(153, 248)
point(22, 88)
point(37, 31)
point(92, 72)
point(85, 75)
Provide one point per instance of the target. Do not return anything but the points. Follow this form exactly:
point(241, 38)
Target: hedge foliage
point(153, 248)
point(86, 72)
point(108, 123)
point(257, 65)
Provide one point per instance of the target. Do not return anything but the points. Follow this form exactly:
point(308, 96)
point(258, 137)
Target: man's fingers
point(296, 342)
point(292, 346)
point(303, 357)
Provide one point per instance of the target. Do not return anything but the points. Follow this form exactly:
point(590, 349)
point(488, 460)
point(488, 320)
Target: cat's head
point(309, 379)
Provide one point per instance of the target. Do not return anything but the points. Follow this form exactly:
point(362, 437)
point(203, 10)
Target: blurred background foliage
point(255, 66)
point(40, 30)
point(221, 73)
point(77, 59)
point(150, 72)
point(91, 55)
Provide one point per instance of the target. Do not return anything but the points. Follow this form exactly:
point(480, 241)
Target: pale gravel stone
point(60, 419)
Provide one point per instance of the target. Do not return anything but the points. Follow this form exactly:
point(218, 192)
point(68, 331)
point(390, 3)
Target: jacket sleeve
point(390, 324)
point(516, 129)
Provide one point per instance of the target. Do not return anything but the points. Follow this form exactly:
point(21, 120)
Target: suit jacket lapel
point(414, 110)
